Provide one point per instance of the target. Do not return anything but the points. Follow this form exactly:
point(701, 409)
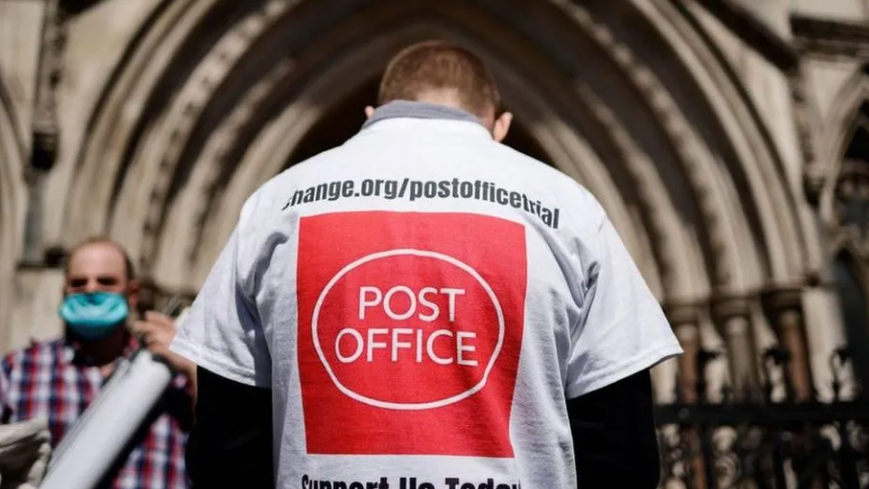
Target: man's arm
point(231, 441)
point(614, 438)
point(619, 335)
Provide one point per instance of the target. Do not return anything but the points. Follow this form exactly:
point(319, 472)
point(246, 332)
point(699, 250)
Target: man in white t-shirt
point(425, 308)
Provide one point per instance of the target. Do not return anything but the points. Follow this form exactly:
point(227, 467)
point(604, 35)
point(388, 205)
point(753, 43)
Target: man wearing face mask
point(56, 380)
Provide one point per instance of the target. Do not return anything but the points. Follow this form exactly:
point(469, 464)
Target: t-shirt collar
point(406, 109)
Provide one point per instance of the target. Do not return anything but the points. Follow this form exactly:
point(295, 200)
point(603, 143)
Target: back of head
point(436, 71)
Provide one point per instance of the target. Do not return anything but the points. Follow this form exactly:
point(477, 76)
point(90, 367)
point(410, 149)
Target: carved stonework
point(44, 130)
point(195, 97)
point(845, 212)
point(850, 220)
point(45, 125)
point(684, 319)
point(845, 208)
point(206, 80)
point(813, 176)
point(675, 125)
point(732, 316)
point(831, 38)
point(666, 251)
point(784, 306)
point(224, 142)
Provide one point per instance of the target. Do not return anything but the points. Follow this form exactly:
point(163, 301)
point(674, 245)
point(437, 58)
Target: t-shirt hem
point(626, 369)
point(209, 362)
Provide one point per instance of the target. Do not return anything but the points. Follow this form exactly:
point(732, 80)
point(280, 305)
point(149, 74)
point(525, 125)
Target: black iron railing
point(766, 444)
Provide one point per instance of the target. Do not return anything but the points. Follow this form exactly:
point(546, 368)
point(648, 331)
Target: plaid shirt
point(47, 380)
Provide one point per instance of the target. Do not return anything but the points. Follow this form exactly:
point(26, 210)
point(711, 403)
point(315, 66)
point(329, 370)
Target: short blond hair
point(439, 65)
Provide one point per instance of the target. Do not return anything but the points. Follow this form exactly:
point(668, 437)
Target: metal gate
point(766, 444)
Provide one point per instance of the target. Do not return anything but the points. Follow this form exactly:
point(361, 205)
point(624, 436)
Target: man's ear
point(502, 126)
point(369, 111)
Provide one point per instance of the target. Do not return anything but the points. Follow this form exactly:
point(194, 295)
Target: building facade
point(728, 140)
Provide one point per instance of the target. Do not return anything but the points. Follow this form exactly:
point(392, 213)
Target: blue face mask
point(94, 315)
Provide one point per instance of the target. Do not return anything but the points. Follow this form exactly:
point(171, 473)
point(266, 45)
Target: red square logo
point(410, 330)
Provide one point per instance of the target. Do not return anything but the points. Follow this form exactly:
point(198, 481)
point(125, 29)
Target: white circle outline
point(408, 406)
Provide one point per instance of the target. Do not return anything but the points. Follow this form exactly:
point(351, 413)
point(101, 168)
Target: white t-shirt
point(423, 301)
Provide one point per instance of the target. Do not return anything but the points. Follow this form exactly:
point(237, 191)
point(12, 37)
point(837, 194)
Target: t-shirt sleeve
point(622, 329)
point(222, 332)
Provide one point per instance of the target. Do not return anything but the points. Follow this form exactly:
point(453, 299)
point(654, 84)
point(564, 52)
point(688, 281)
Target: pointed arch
point(191, 129)
point(845, 201)
point(201, 89)
point(736, 137)
point(848, 113)
point(844, 110)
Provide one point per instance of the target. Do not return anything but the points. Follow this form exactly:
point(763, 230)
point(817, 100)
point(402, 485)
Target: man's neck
point(107, 350)
point(447, 98)
point(451, 98)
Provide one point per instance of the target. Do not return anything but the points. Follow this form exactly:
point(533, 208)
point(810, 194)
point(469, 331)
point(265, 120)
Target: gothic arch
point(730, 127)
point(177, 167)
point(143, 74)
point(269, 152)
point(844, 208)
point(838, 124)
point(845, 116)
point(836, 132)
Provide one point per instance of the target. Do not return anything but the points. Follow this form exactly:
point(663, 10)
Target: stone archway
point(199, 116)
point(620, 146)
point(347, 117)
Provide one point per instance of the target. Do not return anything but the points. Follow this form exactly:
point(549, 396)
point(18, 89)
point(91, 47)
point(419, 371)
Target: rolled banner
point(93, 445)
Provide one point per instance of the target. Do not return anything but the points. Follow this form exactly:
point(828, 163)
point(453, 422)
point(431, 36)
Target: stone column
point(825, 334)
point(784, 307)
point(683, 318)
point(785, 310)
point(692, 386)
point(732, 318)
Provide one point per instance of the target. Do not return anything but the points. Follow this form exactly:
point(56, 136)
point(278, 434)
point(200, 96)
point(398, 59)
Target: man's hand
point(156, 332)
point(24, 452)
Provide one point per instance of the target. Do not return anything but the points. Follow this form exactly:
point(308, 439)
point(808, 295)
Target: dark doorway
point(347, 116)
point(855, 314)
point(851, 215)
